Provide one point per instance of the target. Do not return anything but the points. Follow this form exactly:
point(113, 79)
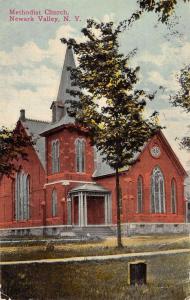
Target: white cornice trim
point(67, 182)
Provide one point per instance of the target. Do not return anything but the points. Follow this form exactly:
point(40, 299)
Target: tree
point(165, 9)
point(12, 147)
point(110, 108)
point(182, 98)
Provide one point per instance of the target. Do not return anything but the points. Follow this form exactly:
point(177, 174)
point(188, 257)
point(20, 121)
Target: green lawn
point(167, 279)
point(106, 247)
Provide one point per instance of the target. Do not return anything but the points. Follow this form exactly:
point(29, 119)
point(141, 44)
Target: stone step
point(94, 231)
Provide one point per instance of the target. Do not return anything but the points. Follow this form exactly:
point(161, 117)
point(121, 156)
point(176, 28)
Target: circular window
point(155, 151)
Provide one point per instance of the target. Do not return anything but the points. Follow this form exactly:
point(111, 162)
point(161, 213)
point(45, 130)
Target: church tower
point(59, 107)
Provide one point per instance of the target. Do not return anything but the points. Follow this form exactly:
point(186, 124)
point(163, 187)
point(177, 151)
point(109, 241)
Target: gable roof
point(51, 127)
point(33, 129)
point(172, 154)
point(103, 168)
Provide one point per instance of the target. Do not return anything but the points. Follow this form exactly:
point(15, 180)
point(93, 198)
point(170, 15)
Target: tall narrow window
point(55, 157)
point(54, 203)
point(22, 185)
point(157, 191)
point(139, 194)
point(173, 197)
point(80, 155)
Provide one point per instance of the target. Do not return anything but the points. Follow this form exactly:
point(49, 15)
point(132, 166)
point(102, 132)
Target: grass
point(97, 280)
point(167, 275)
point(106, 247)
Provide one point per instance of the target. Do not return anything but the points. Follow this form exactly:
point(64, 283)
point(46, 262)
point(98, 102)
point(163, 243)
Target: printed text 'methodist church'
point(65, 182)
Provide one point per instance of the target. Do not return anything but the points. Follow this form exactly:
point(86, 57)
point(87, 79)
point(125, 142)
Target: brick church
point(65, 182)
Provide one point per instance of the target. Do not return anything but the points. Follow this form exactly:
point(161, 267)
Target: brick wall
point(144, 167)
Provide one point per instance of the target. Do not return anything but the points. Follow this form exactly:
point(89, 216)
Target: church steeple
point(59, 107)
point(65, 82)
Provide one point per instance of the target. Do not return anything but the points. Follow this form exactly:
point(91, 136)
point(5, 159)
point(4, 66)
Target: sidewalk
point(97, 258)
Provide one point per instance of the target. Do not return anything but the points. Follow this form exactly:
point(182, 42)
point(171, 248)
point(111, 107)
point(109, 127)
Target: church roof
point(103, 168)
point(33, 129)
point(65, 120)
point(65, 82)
point(63, 95)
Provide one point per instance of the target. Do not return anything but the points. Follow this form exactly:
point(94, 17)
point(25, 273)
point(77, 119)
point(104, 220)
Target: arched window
point(157, 191)
point(139, 194)
point(80, 155)
point(173, 197)
point(22, 186)
point(55, 157)
point(54, 203)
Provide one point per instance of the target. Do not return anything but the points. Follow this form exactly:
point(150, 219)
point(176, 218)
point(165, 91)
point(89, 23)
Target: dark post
point(119, 243)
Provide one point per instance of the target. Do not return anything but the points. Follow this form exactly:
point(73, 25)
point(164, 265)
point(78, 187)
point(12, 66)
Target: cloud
point(24, 55)
point(31, 77)
point(30, 53)
point(36, 77)
point(171, 118)
point(176, 122)
point(171, 84)
point(56, 50)
point(156, 78)
point(108, 17)
point(178, 55)
point(36, 103)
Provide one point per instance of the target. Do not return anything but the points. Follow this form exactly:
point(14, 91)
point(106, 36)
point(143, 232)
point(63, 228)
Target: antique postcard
point(95, 149)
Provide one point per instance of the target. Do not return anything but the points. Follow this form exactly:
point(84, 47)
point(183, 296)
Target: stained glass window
point(157, 191)
point(139, 194)
point(80, 155)
point(22, 185)
point(54, 203)
point(55, 157)
point(173, 197)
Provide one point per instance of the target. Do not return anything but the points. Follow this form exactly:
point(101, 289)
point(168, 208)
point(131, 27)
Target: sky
point(31, 56)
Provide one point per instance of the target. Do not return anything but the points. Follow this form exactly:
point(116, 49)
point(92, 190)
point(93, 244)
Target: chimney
point(22, 115)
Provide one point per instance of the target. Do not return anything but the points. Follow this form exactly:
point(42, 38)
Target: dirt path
point(99, 258)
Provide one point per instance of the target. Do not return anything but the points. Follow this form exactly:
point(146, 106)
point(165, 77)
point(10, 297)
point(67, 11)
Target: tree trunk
point(119, 243)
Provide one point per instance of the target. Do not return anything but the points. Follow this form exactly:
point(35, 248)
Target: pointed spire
point(65, 82)
point(59, 107)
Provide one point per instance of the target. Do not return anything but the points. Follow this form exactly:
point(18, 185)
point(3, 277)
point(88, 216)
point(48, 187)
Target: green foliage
point(185, 143)
point(182, 98)
point(163, 8)
point(12, 147)
point(110, 107)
